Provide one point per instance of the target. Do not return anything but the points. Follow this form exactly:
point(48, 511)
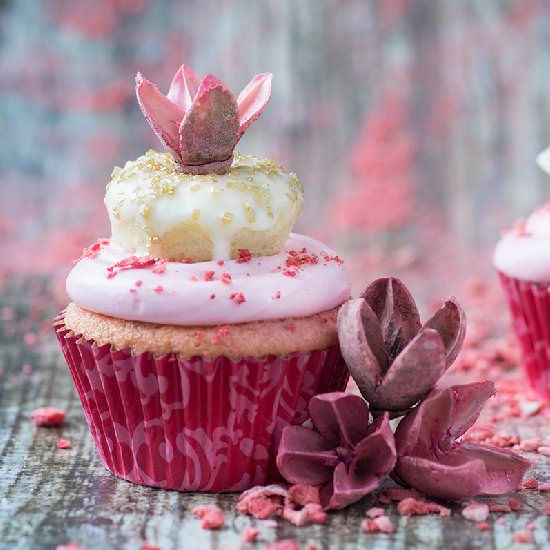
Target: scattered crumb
point(249, 534)
point(63, 444)
point(418, 507)
point(48, 416)
point(524, 537)
point(476, 511)
point(211, 515)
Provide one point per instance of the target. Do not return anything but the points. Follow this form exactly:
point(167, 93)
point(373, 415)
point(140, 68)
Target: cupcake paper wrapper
point(529, 305)
point(194, 424)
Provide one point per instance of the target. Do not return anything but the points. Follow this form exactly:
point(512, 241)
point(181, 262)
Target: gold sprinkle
point(195, 216)
point(269, 211)
point(145, 210)
point(250, 212)
point(227, 218)
point(216, 190)
point(195, 187)
point(155, 239)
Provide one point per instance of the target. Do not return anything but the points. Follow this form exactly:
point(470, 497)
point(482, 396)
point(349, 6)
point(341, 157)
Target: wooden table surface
point(50, 496)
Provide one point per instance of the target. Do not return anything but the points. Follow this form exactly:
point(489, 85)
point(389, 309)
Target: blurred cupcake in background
point(522, 260)
point(203, 326)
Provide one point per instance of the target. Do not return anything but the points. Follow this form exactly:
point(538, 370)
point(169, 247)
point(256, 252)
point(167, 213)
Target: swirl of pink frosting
point(305, 278)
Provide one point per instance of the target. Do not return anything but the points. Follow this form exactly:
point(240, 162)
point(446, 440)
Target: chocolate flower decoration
point(394, 360)
point(343, 453)
point(200, 121)
point(431, 460)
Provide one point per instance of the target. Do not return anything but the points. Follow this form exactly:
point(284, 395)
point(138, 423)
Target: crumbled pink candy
point(149, 546)
point(483, 526)
point(249, 534)
point(48, 416)
point(63, 444)
point(530, 445)
point(524, 537)
point(310, 513)
point(544, 488)
point(476, 511)
point(514, 504)
point(546, 509)
point(380, 524)
point(375, 512)
point(304, 494)
point(418, 507)
point(70, 546)
point(211, 515)
point(262, 502)
point(530, 483)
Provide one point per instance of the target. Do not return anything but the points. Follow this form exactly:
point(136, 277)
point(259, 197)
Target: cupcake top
point(524, 251)
point(200, 236)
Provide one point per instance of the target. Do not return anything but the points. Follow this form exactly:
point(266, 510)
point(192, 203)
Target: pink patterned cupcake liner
point(529, 305)
point(194, 424)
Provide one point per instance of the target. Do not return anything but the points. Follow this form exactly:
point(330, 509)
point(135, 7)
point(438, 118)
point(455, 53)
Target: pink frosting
point(293, 283)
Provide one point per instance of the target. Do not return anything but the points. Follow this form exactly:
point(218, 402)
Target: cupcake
point(202, 326)
point(522, 259)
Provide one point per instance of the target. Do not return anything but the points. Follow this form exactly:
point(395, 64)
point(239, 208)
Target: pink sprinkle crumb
point(70, 546)
point(48, 416)
point(211, 515)
point(149, 546)
point(374, 512)
point(483, 526)
point(476, 511)
point(159, 269)
point(225, 278)
point(139, 282)
point(291, 271)
point(237, 297)
point(514, 504)
point(244, 255)
point(132, 290)
point(220, 262)
point(208, 275)
point(546, 509)
point(544, 488)
point(544, 450)
point(63, 444)
point(530, 483)
point(277, 295)
point(523, 537)
point(212, 296)
point(380, 524)
point(158, 288)
point(193, 278)
point(417, 507)
point(249, 534)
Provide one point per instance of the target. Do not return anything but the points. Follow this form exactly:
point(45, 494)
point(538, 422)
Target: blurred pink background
point(412, 124)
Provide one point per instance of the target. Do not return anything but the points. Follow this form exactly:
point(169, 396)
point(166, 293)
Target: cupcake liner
point(194, 424)
point(529, 305)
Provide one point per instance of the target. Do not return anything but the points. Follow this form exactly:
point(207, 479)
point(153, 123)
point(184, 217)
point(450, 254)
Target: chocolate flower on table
point(431, 460)
point(344, 454)
point(393, 358)
point(200, 121)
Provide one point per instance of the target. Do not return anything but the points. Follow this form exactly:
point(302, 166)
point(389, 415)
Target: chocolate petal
point(450, 323)
point(504, 469)
point(439, 480)
point(362, 345)
point(208, 131)
point(340, 418)
point(376, 452)
point(252, 100)
point(184, 88)
point(442, 417)
point(305, 457)
point(413, 373)
point(163, 115)
point(348, 486)
point(394, 306)
point(467, 402)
